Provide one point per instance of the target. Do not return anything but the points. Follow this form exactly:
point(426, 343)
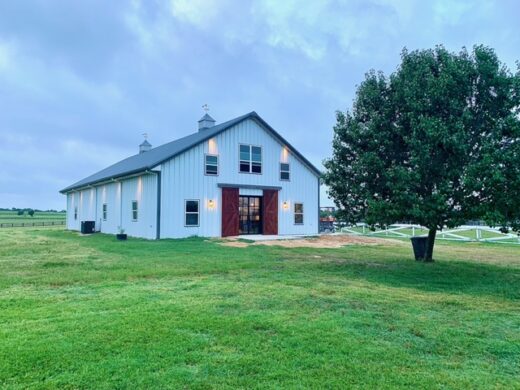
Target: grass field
point(91, 312)
point(39, 216)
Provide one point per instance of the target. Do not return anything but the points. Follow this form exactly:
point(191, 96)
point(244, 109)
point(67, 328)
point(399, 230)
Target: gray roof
point(206, 117)
point(148, 160)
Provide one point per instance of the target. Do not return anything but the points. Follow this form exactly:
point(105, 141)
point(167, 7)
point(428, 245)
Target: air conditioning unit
point(88, 227)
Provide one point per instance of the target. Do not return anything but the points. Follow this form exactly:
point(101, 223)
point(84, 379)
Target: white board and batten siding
point(142, 189)
point(183, 179)
point(118, 197)
point(81, 206)
point(109, 194)
point(73, 221)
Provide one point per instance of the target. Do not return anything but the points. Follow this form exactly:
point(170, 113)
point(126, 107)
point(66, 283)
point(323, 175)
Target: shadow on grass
point(381, 266)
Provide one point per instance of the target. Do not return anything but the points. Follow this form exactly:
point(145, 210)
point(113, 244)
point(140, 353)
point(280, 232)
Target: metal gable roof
point(148, 160)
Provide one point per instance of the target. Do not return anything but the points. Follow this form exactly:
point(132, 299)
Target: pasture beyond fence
point(31, 224)
point(466, 233)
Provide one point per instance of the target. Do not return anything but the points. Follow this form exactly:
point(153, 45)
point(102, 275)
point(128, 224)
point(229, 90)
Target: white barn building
point(238, 177)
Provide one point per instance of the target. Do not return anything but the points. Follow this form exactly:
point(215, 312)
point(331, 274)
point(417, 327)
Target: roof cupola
point(145, 146)
point(206, 121)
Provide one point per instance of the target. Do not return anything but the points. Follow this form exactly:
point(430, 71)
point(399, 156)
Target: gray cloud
point(80, 81)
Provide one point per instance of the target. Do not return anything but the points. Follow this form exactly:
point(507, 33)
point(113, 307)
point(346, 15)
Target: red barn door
point(229, 212)
point(270, 212)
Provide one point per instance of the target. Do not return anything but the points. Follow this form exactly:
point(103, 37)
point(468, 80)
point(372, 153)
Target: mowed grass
point(39, 216)
point(91, 312)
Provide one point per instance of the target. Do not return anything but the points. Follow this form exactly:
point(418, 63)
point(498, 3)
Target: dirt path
point(325, 241)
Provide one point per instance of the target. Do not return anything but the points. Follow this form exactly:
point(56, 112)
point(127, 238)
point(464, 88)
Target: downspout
point(318, 205)
point(121, 205)
point(67, 216)
point(96, 212)
point(158, 222)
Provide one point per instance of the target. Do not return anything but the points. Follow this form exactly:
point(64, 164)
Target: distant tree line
point(30, 211)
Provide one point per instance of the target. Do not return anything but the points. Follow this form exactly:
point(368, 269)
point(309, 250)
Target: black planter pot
point(121, 237)
point(419, 247)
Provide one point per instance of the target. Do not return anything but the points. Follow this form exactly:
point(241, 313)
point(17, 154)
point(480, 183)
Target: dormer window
point(250, 159)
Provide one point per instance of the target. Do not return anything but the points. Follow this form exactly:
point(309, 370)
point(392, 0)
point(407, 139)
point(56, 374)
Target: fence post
point(413, 231)
point(364, 228)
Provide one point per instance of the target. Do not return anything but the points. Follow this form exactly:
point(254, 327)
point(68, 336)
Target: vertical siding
point(87, 205)
point(143, 189)
point(85, 201)
point(183, 178)
point(118, 197)
point(109, 194)
point(72, 202)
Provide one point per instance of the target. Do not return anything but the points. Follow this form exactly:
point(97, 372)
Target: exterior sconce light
point(211, 204)
point(285, 205)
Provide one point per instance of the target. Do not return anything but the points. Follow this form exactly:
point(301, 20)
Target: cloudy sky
point(80, 81)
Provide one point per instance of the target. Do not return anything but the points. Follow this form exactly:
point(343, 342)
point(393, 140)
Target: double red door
point(249, 214)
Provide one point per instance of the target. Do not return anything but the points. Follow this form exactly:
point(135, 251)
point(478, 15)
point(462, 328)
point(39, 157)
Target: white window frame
point(250, 162)
point(288, 171)
point(186, 212)
point(136, 211)
point(302, 213)
point(104, 211)
point(206, 164)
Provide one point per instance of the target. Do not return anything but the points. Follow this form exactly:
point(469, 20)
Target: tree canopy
point(436, 143)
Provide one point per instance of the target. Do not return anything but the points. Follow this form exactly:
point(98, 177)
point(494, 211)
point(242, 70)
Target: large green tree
point(436, 143)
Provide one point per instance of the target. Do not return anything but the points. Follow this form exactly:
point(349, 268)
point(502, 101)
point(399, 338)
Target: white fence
point(466, 233)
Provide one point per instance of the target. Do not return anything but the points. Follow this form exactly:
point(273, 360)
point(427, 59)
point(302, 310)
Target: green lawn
point(91, 312)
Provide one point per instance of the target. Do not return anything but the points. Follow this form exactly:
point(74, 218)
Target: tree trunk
point(429, 245)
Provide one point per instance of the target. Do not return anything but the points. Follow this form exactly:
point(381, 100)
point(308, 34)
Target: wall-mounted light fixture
point(285, 205)
point(284, 158)
point(212, 146)
point(211, 204)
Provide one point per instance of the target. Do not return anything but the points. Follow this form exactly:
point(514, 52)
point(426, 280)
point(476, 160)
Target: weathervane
point(205, 108)
point(145, 135)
